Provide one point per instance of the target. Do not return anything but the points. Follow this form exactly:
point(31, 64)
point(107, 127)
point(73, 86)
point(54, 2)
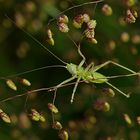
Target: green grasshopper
point(88, 74)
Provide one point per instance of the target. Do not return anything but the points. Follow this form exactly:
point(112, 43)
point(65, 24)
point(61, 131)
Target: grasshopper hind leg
point(126, 95)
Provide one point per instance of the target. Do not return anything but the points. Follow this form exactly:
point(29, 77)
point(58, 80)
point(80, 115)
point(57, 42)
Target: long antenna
point(33, 70)
point(76, 6)
point(39, 43)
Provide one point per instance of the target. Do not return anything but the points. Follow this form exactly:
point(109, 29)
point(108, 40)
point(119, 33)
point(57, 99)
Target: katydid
point(88, 74)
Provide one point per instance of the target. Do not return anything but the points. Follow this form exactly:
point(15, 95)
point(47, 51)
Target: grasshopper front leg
point(59, 85)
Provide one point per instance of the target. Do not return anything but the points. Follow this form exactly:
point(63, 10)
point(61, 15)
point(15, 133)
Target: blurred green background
point(117, 41)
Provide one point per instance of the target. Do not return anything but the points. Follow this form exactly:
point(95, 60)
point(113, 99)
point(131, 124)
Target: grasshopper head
point(72, 68)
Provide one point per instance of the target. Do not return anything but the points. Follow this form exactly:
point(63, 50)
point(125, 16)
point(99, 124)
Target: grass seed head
point(49, 33)
point(107, 10)
point(110, 92)
point(57, 125)
point(63, 134)
point(35, 115)
point(86, 18)
point(129, 3)
point(78, 21)
point(93, 40)
point(5, 117)
point(63, 19)
point(42, 118)
point(53, 108)
point(106, 107)
point(25, 82)
point(131, 16)
point(50, 41)
point(11, 84)
point(89, 33)
point(127, 119)
point(91, 24)
point(138, 120)
point(63, 27)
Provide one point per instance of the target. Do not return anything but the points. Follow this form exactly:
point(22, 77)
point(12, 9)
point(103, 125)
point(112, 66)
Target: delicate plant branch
point(76, 6)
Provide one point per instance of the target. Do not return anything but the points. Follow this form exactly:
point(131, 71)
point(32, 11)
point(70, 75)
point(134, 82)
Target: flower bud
point(11, 84)
point(52, 107)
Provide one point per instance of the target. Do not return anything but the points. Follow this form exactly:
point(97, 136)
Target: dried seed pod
point(53, 108)
point(63, 27)
point(89, 33)
point(131, 16)
point(91, 24)
point(86, 18)
point(78, 21)
point(107, 10)
point(63, 19)
point(11, 84)
point(5, 117)
point(25, 82)
point(63, 134)
point(127, 119)
point(109, 92)
point(35, 115)
point(57, 125)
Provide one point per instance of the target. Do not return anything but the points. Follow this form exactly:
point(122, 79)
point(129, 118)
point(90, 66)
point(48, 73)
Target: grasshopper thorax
point(72, 68)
